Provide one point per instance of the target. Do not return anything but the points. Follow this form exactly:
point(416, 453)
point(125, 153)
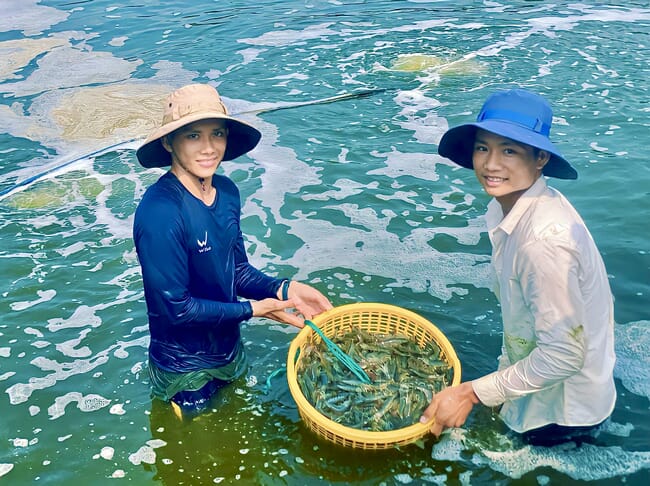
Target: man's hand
point(304, 299)
point(450, 407)
point(307, 300)
point(276, 310)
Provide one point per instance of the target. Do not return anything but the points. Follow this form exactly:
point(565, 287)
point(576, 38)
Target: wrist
point(283, 291)
point(472, 393)
point(249, 309)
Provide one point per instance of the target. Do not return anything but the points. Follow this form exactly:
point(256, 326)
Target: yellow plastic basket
point(373, 318)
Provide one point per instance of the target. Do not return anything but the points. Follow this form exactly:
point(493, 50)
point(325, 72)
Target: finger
point(306, 310)
point(429, 412)
point(322, 303)
point(325, 303)
point(293, 320)
point(286, 304)
point(436, 429)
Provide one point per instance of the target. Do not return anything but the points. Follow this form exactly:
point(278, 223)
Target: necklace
point(207, 192)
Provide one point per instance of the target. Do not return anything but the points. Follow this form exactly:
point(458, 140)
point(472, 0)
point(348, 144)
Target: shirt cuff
point(248, 309)
point(487, 390)
point(279, 289)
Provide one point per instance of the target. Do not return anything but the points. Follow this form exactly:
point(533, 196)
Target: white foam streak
point(374, 251)
point(82, 316)
point(7, 375)
point(279, 38)
point(632, 341)
point(43, 296)
point(69, 348)
point(82, 68)
point(72, 249)
point(145, 454)
point(5, 468)
point(343, 188)
point(28, 16)
point(21, 392)
point(586, 462)
point(85, 403)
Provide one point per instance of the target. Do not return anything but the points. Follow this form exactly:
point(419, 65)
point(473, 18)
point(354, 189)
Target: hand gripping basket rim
point(405, 320)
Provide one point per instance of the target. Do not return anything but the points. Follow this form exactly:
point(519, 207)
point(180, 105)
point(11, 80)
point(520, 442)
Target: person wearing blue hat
point(554, 380)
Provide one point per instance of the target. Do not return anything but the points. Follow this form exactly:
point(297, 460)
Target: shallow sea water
point(348, 195)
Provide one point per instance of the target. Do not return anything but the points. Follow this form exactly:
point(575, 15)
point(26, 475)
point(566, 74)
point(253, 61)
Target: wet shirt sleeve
point(250, 282)
point(162, 250)
point(547, 275)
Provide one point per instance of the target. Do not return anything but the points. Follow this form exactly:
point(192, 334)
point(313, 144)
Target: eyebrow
point(504, 142)
point(190, 129)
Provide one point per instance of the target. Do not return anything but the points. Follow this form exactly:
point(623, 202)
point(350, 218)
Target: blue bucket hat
point(516, 114)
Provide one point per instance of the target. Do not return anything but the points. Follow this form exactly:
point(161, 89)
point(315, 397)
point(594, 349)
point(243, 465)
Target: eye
point(221, 132)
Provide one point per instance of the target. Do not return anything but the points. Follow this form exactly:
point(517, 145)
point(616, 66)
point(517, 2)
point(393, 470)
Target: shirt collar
point(494, 216)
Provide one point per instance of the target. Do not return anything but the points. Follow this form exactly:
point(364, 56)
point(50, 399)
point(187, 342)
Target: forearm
point(213, 313)
point(543, 330)
point(541, 369)
point(251, 283)
point(182, 309)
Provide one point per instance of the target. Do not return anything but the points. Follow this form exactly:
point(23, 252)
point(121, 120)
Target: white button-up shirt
point(557, 358)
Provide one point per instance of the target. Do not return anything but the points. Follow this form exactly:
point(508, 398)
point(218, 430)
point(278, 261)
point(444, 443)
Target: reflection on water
point(348, 195)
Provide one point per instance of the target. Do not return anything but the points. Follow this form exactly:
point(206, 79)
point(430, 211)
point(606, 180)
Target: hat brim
point(457, 144)
point(242, 138)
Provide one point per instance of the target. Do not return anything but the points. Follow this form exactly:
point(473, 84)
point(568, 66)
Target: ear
point(542, 159)
point(166, 143)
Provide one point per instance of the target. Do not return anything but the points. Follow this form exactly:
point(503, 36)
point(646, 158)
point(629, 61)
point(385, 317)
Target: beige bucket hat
point(187, 105)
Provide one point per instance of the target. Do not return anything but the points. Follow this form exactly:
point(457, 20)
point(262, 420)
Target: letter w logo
point(204, 242)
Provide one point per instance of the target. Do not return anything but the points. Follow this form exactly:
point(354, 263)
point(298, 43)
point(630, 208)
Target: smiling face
point(197, 149)
point(505, 168)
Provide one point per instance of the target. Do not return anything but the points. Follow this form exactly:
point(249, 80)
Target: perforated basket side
point(378, 319)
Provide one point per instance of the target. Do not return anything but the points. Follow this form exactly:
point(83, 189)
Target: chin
point(494, 191)
point(205, 173)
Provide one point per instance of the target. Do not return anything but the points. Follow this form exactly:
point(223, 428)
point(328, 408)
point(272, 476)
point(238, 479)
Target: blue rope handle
point(267, 388)
point(344, 358)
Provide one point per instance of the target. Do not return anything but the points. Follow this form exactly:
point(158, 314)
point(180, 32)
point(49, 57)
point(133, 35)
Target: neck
point(202, 182)
point(508, 201)
point(199, 187)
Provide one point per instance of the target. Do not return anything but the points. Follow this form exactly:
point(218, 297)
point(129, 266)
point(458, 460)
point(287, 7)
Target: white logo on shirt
point(203, 244)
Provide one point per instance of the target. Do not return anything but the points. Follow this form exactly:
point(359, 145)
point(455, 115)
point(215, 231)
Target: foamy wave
point(632, 342)
point(584, 462)
point(85, 403)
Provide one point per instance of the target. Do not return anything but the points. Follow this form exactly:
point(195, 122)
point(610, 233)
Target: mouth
point(494, 181)
point(207, 163)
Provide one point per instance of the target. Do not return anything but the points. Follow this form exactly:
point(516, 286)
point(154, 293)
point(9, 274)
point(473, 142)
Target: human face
point(505, 168)
point(197, 149)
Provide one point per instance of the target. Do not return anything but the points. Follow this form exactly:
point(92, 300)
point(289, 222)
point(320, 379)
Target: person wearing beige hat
point(198, 283)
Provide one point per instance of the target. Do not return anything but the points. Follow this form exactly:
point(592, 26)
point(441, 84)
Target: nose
point(209, 145)
point(490, 160)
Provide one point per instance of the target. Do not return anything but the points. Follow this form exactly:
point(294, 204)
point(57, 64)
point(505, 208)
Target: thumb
point(436, 429)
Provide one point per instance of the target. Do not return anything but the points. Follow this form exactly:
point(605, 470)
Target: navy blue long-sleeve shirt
point(194, 266)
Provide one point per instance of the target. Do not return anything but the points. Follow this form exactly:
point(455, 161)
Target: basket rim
point(349, 434)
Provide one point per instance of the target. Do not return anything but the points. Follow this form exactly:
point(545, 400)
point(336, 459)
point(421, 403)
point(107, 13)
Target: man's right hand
point(276, 310)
